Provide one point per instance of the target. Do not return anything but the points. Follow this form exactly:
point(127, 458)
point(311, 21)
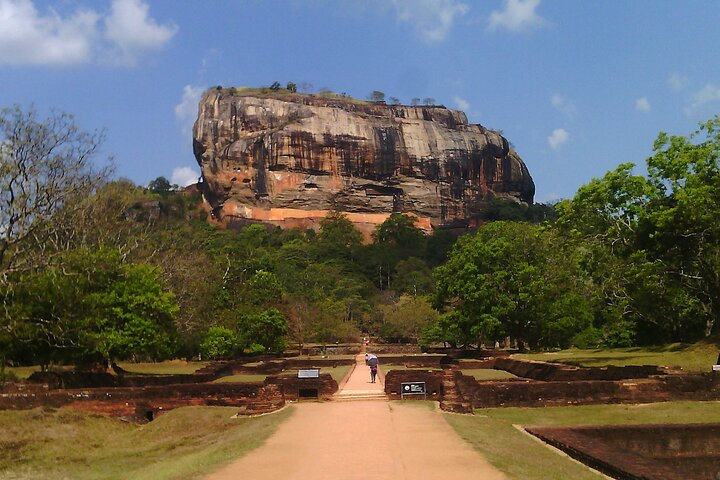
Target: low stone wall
point(488, 363)
point(394, 349)
point(432, 379)
point(471, 353)
point(431, 361)
point(561, 372)
point(662, 452)
point(531, 393)
point(127, 401)
point(331, 350)
point(81, 379)
point(295, 388)
point(275, 367)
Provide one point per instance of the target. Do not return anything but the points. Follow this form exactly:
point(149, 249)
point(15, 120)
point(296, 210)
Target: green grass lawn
point(242, 377)
point(522, 457)
point(179, 444)
point(384, 368)
point(487, 374)
point(696, 357)
point(338, 373)
point(168, 367)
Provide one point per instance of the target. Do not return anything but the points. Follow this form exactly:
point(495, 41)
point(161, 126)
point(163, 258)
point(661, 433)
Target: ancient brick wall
point(251, 397)
point(531, 393)
point(660, 452)
point(432, 379)
point(294, 388)
point(560, 372)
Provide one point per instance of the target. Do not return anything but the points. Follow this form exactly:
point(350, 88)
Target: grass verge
point(696, 357)
point(179, 444)
point(168, 367)
point(520, 456)
point(241, 378)
point(487, 374)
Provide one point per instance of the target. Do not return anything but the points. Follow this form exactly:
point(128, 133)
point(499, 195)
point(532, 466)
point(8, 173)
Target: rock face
point(288, 159)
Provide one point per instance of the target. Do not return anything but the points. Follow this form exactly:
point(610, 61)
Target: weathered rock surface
point(288, 159)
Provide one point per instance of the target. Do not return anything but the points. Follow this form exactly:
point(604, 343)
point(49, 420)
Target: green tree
point(160, 185)
point(265, 329)
point(515, 279)
point(414, 277)
point(291, 87)
point(46, 165)
point(90, 304)
point(338, 237)
point(376, 96)
point(218, 342)
point(405, 320)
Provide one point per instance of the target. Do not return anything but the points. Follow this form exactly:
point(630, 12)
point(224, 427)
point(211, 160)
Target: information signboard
point(413, 388)
point(309, 373)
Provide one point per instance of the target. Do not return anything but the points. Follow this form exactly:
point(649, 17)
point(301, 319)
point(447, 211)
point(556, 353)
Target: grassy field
point(167, 367)
point(242, 377)
point(180, 444)
point(487, 374)
point(338, 373)
point(384, 368)
point(696, 357)
point(521, 456)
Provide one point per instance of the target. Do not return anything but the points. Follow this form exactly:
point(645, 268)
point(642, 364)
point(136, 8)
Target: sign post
point(309, 373)
point(413, 388)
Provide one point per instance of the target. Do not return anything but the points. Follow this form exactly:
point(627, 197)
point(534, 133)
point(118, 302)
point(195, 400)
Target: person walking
point(372, 361)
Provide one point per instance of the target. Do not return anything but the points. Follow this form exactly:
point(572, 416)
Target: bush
point(591, 337)
point(218, 342)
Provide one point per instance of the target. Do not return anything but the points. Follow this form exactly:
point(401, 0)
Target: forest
point(97, 269)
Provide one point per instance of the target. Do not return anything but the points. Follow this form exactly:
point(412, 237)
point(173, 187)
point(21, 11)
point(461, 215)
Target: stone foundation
point(432, 379)
point(653, 452)
point(561, 372)
point(251, 398)
point(295, 388)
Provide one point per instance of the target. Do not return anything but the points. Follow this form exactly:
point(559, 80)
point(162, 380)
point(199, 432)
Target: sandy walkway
point(374, 440)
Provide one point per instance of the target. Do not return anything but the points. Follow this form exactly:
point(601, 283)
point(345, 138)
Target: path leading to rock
point(373, 440)
point(358, 385)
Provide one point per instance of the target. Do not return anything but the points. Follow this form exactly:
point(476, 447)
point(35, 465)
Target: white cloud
point(677, 81)
point(461, 103)
point(558, 137)
point(517, 16)
point(642, 104)
point(133, 32)
point(186, 111)
point(563, 104)
point(184, 176)
point(432, 19)
point(29, 38)
point(709, 93)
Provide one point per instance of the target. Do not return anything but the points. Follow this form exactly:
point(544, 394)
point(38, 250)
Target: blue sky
point(577, 86)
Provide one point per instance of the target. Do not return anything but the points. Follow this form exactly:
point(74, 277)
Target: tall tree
point(45, 165)
point(513, 279)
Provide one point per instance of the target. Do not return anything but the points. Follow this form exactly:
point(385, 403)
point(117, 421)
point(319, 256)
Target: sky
point(576, 86)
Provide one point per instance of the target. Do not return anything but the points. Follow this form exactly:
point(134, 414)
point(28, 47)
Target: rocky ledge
point(288, 159)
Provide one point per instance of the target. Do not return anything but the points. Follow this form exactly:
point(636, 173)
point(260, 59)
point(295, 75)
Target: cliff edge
point(287, 159)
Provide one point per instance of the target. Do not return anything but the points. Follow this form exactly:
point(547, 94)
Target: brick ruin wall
point(250, 398)
point(660, 452)
point(561, 372)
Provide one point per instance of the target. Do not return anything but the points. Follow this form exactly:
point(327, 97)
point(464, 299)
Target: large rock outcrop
point(288, 159)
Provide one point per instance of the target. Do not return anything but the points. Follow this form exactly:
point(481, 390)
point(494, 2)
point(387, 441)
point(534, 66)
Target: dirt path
point(374, 440)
